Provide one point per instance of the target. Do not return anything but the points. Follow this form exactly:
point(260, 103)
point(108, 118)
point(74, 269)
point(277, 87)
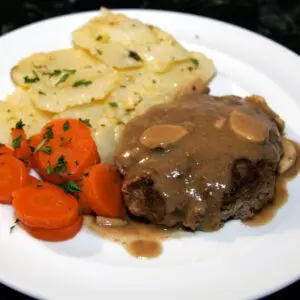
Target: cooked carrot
point(84, 205)
point(33, 180)
point(55, 235)
point(20, 144)
point(33, 142)
point(45, 205)
point(101, 186)
point(68, 150)
point(5, 150)
point(13, 176)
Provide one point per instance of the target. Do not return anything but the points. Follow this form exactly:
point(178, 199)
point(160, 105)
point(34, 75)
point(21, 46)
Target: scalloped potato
point(118, 69)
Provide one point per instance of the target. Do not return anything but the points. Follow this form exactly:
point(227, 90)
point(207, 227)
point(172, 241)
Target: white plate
point(236, 262)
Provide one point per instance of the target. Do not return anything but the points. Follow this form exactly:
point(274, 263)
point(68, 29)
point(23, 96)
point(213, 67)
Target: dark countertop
point(276, 19)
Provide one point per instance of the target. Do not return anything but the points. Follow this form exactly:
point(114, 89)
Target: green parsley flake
point(34, 79)
point(46, 149)
point(62, 79)
point(134, 55)
point(98, 37)
point(49, 133)
point(113, 104)
point(87, 122)
point(20, 124)
point(195, 62)
point(82, 82)
point(49, 170)
point(61, 166)
point(71, 187)
point(66, 126)
point(17, 142)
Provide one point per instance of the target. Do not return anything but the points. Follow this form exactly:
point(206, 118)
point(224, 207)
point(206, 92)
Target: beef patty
point(201, 161)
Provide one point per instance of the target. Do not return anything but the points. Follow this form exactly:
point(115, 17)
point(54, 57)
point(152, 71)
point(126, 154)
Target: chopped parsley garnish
point(128, 110)
point(39, 186)
point(99, 51)
point(46, 149)
point(16, 143)
point(11, 229)
point(98, 37)
point(20, 124)
point(34, 79)
point(42, 93)
point(190, 69)
point(76, 163)
point(32, 149)
point(70, 71)
point(134, 55)
point(66, 126)
point(86, 174)
point(82, 82)
point(49, 133)
point(54, 73)
point(63, 78)
point(195, 62)
point(71, 187)
point(2, 145)
point(49, 170)
point(154, 81)
point(102, 125)
point(113, 104)
point(61, 166)
point(87, 122)
point(80, 209)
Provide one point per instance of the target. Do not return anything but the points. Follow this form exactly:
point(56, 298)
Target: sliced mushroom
point(103, 221)
point(219, 123)
point(249, 127)
point(160, 136)
point(289, 156)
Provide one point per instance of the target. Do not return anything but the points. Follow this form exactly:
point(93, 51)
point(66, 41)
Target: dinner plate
point(237, 262)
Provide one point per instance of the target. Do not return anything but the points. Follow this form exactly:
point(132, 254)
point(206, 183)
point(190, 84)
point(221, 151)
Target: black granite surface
point(276, 19)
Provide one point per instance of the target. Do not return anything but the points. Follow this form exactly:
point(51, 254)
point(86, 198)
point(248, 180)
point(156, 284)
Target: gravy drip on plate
point(281, 197)
point(139, 239)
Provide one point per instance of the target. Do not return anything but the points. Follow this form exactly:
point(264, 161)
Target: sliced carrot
point(13, 176)
point(33, 142)
point(84, 204)
point(55, 235)
point(20, 144)
point(101, 187)
point(68, 151)
point(45, 205)
point(5, 150)
point(33, 180)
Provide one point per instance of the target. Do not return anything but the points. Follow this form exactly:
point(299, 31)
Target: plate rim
point(163, 12)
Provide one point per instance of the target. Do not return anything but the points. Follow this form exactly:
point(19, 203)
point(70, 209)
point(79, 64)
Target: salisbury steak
point(200, 161)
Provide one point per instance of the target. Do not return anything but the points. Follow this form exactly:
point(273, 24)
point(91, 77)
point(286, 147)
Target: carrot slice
point(33, 142)
point(5, 150)
point(55, 235)
point(45, 205)
point(33, 180)
point(20, 144)
point(69, 149)
point(101, 189)
point(84, 205)
point(13, 176)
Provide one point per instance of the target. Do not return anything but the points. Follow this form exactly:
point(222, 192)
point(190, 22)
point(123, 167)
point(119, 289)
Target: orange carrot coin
point(55, 235)
point(5, 150)
point(69, 149)
point(101, 187)
point(13, 176)
point(45, 205)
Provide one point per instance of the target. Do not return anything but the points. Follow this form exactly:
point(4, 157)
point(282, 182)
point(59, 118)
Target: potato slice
point(61, 79)
point(122, 42)
point(19, 106)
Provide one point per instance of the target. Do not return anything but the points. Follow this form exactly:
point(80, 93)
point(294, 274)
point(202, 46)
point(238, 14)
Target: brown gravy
point(269, 212)
point(139, 239)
